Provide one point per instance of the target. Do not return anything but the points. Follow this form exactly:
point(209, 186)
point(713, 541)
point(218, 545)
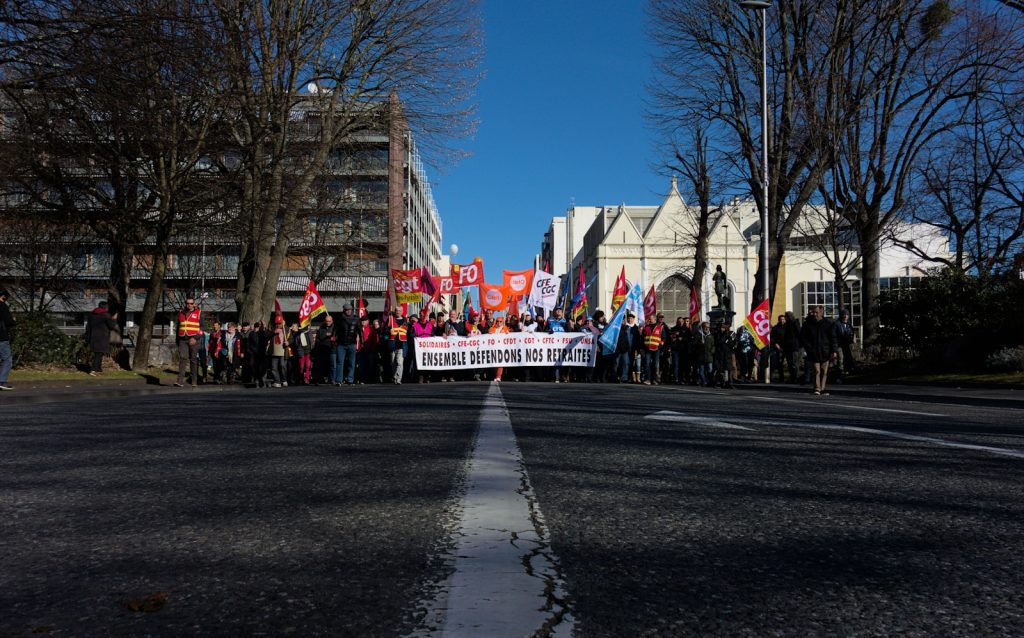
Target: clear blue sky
point(561, 110)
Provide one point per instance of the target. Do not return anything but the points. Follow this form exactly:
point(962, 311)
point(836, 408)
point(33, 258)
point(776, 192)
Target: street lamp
point(762, 6)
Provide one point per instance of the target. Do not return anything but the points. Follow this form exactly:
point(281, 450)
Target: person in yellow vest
point(189, 331)
point(653, 336)
point(398, 344)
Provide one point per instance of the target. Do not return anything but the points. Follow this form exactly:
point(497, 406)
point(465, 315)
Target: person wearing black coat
point(626, 350)
point(791, 345)
point(818, 338)
point(97, 335)
point(7, 324)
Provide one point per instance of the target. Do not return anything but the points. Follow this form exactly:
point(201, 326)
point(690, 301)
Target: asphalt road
point(330, 512)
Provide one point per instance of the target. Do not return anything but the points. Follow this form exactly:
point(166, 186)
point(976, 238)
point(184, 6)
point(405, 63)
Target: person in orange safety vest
point(189, 332)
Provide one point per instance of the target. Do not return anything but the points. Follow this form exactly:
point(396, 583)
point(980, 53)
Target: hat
point(4, 293)
point(473, 314)
point(347, 307)
point(364, 318)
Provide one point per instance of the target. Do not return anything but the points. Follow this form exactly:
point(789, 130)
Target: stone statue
point(721, 289)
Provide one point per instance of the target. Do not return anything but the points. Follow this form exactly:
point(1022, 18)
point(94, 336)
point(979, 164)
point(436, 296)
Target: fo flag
point(312, 305)
point(759, 324)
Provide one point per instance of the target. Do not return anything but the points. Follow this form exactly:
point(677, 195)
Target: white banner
point(512, 350)
point(544, 293)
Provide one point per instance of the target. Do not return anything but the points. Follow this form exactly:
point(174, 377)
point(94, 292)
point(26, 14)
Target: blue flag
point(634, 303)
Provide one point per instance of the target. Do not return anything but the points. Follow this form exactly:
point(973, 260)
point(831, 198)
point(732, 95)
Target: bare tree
point(825, 234)
point(708, 67)
point(361, 58)
point(903, 86)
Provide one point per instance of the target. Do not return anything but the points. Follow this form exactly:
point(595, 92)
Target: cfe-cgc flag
point(544, 292)
point(620, 291)
point(759, 324)
point(312, 305)
point(408, 285)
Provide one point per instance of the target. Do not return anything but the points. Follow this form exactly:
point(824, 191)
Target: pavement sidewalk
point(26, 392)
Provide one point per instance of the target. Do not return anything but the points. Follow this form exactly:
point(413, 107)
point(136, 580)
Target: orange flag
point(492, 297)
point(518, 282)
point(311, 306)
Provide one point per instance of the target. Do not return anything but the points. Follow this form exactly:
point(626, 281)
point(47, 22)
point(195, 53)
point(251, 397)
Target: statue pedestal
point(719, 316)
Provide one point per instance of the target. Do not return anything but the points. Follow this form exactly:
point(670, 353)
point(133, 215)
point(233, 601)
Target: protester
point(680, 344)
point(97, 335)
point(278, 351)
point(326, 350)
point(627, 350)
point(705, 355)
point(653, 336)
point(725, 343)
point(498, 328)
point(397, 345)
point(844, 339)
point(348, 334)
point(818, 339)
point(7, 324)
point(301, 347)
point(189, 330)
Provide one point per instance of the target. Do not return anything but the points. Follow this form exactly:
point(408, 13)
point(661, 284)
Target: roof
point(368, 283)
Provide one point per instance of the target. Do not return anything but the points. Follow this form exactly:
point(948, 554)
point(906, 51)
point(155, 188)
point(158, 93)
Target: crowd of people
point(352, 350)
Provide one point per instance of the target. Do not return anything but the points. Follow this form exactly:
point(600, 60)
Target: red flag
point(759, 324)
point(427, 283)
point(471, 274)
point(408, 285)
point(278, 314)
point(362, 308)
point(311, 306)
point(619, 292)
point(694, 305)
point(579, 306)
point(651, 304)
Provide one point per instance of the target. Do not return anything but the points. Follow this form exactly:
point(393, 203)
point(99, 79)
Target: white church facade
point(655, 245)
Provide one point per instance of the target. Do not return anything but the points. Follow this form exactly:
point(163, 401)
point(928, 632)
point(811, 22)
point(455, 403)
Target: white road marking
point(906, 437)
point(825, 403)
point(668, 415)
point(505, 581)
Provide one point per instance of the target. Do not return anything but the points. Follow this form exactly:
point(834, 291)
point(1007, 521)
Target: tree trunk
point(154, 293)
point(868, 236)
point(122, 255)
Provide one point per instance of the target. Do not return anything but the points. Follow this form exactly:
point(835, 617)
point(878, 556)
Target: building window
point(823, 293)
point(673, 296)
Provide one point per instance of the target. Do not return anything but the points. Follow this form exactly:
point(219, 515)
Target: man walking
point(349, 337)
point(7, 324)
point(188, 342)
point(97, 333)
point(818, 339)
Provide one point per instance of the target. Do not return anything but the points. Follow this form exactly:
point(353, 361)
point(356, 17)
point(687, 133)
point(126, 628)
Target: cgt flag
point(312, 305)
point(759, 325)
point(651, 303)
point(408, 285)
point(620, 291)
point(579, 300)
point(694, 305)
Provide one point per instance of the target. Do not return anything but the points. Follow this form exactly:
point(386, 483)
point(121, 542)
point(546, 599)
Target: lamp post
point(762, 7)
